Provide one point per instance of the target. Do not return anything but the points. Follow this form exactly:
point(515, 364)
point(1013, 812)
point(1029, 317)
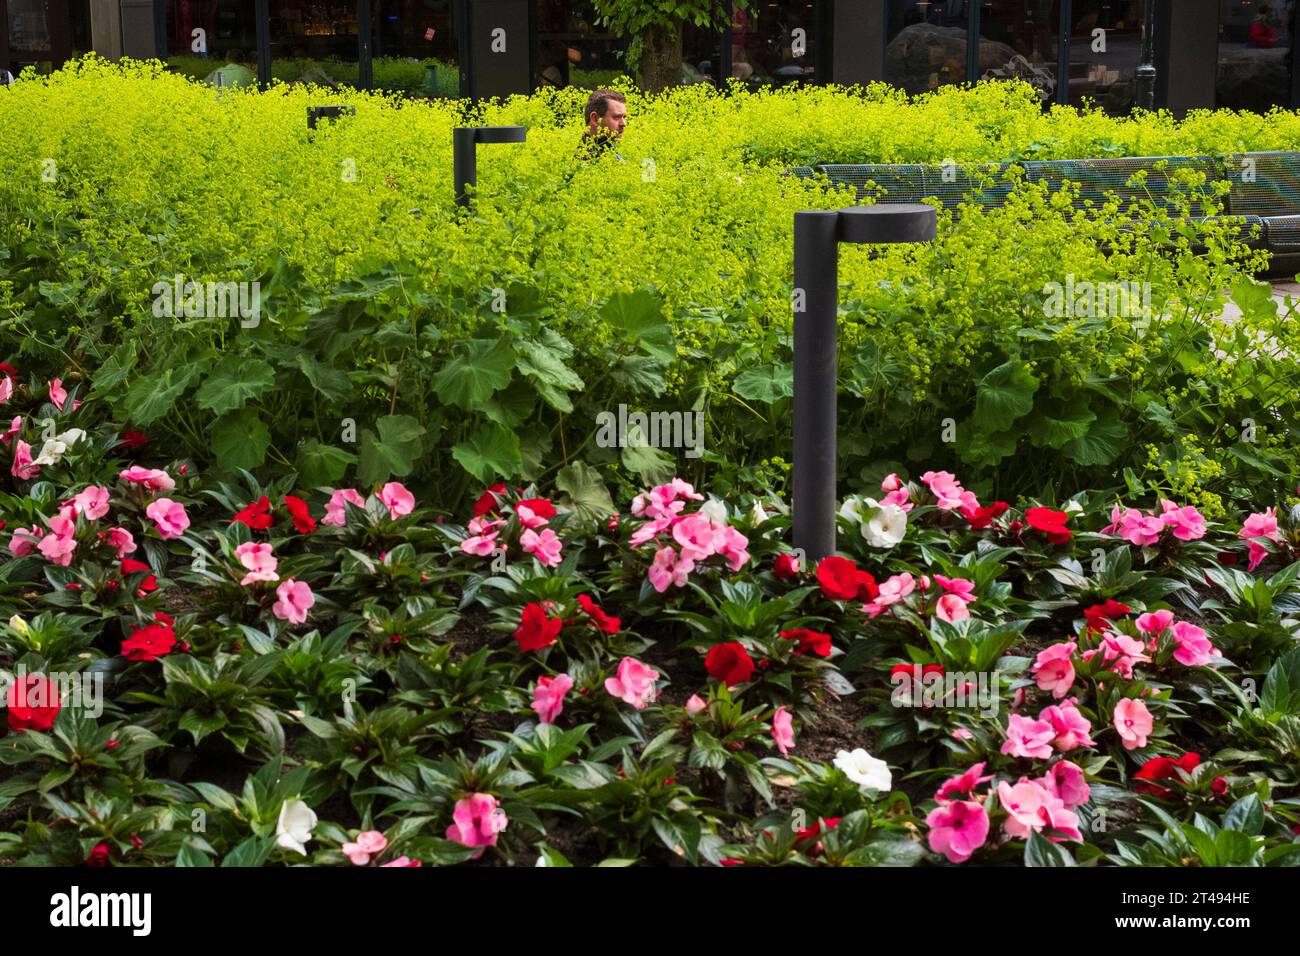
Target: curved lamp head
point(890, 222)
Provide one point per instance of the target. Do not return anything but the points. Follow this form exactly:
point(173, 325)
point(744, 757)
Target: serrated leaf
point(240, 440)
point(585, 492)
point(471, 378)
point(490, 452)
point(765, 383)
point(235, 381)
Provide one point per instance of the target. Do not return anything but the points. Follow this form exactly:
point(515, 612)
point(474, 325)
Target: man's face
point(614, 120)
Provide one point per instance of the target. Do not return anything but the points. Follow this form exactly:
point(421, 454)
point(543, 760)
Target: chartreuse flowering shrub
point(201, 670)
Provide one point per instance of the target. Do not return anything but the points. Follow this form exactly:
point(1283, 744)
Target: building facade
point(1230, 53)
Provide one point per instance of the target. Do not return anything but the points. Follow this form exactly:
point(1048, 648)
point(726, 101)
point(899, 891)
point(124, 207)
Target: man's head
point(606, 113)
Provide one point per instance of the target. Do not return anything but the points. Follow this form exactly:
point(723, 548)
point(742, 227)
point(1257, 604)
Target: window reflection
point(30, 42)
point(774, 43)
point(314, 41)
point(214, 41)
point(1255, 54)
point(414, 47)
point(1019, 40)
point(926, 44)
point(572, 50)
point(1105, 51)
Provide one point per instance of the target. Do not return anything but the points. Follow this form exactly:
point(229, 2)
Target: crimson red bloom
point(486, 501)
point(915, 671)
point(541, 507)
point(1097, 615)
point(603, 621)
point(842, 580)
point(9, 370)
point(301, 515)
point(149, 643)
point(32, 703)
point(132, 566)
point(162, 617)
point(1164, 768)
point(729, 663)
point(1219, 786)
point(536, 630)
point(134, 440)
point(100, 855)
point(810, 642)
point(1051, 522)
point(257, 515)
point(981, 517)
point(814, 831)
point(786, 566)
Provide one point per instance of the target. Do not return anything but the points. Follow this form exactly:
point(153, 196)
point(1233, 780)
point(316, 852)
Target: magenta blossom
point(1071, 727)
point(477, 819)
point(962, 785)
point(957, 829)
point(1067, 782)
point(1194, 647)
point(1187, 522)
point(635, 683)
point(294, 601)
point(169, 517)
point(1028, 738)
point(548, 697)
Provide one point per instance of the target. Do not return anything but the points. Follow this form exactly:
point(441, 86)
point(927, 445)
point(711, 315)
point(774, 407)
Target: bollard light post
point(464, 139)
point(1146, 70)
point(817, 235)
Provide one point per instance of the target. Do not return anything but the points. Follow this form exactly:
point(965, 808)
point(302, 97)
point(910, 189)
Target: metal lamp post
point(817, 235)
point(464, 139)
point(1146, 71)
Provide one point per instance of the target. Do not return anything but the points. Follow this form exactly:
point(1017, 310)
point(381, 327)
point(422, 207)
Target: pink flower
point(58, 395)
point(483, 536)
point(669, 569)
point(57, 548)
point(1054, 670)
point(1121, 652)
point(1194, 647)
point(1134, 723)
point(1072, 729)
point(957, 829)
point(1187, 522)
point(545, 547)
point(1257, 553)
point(1155, 622)
point(149, 478)
point(397, 499)
point(548, 697)
point(169, 517)
point(92, 502)
point(1059, 818)
point(1022, 803)
point(951, 608)
point(259, 561)
point(22, 468)
point(1067, 782)
point(477, 820)
point(948, 492)
point(958, 587)
point(6, 388)
point(635, 683)
point(15, 427)
point(368, 844)
point(1028, 738)
point(122, 540)
point(891, 482)
point(695, 703)
point(698, 536)
point(336, 510)
point(783, 730)
point(23, 541)
point(961, 733)
point(962, 785)
point(1259, 527)
point(530, 518)
point(295, 600)
point(401, 861)
point(734, 548)
point(1134, 526)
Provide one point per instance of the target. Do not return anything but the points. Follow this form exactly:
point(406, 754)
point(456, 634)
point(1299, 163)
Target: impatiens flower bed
point(212, 672)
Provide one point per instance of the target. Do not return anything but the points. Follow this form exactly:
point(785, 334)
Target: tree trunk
point(661, 62)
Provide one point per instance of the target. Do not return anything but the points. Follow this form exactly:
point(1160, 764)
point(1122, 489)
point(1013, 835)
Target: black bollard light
point(317, 113)
point(817, 235)
point(464, 139)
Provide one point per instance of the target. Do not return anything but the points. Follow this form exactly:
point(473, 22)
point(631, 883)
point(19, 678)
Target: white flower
point(295, 825)
point(55, 448)
point(19, 625)
point(714, 510)
point(852, 509)
point(865, 770)
point(756, 514)
point(1072, 507)
point(886, 527)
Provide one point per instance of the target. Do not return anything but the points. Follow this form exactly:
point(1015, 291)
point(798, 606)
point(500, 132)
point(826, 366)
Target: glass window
point(926, 44)
point(314, 41)
point(1020, 40)
point(30, 40)
point(701, 54)
point(774, 43)
point(572, 50)
point(1255, 54)
point(414, 47)
point(213, 40)
point(1105, 50)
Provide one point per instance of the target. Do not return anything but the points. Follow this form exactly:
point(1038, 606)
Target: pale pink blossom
point(476, 821)
point(92, 502)
point(548, 697)
point(150, 479)
point(368, 844)
point(958, 587)
point(169, 517)
point(668, 569)
point(695, 703)
point(336, 510)
point(122, 540)
point(1194, 647)
point(397, 499)
point(957, 829)
point(948, 492)
point(635, 683)
point(951, 608)
point(1072, 729)
point(58, 394)
point(24, 540)
point(783, 730)
point(1154, 623)
point(734, 548)
point(1067, 782)
point(294, 601)
point(57, 548)
point(1134, 723)
point(1187, 522)
point(22, 467)
point(1134, 526)
point(545, 547)
point(1028, 738)
point(1023, 801)
point(1121, 652)
point(259, 561)
point(1054, 670)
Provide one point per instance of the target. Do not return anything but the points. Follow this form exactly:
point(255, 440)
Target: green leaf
point(1059, 423)
point(1246, 815)
point(1039, 851)
point(1100, 445)
point(1281, 692)
point(638, 316)
point(393, 451)
point(319, 464)
point(545, 367)
point(765, 383)
point(490, 451)
point(585, 492)
point(236, 381)
point(640, 374)
point(1004, 394)
point(469, 379)
point(240, 440)
point(651, 465)
point(150, 397)
point(331, 382)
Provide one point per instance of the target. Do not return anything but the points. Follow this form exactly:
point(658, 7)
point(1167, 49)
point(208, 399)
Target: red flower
point(162, 617)
point(842, 580)
point(535, 629)
point(1051, 522)
point(9, 370)
point(538, 506)
point(729, 663)
point(981, 517)
point(486, 502)
point(814, 831)
point(149, 643)
point(301, 515)
point(603, 621)
point(134, 440)
point(257, 515)
point(732, 861)
point(810, 642)
point(132, 566)
point(786, 567)
point(100, 855)
point(32, 703)
point(1097, 615)
point(915, 671)
point(1219, 786)
point(1164, 768)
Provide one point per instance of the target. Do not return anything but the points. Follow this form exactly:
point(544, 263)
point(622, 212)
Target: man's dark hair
point(598, 102)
